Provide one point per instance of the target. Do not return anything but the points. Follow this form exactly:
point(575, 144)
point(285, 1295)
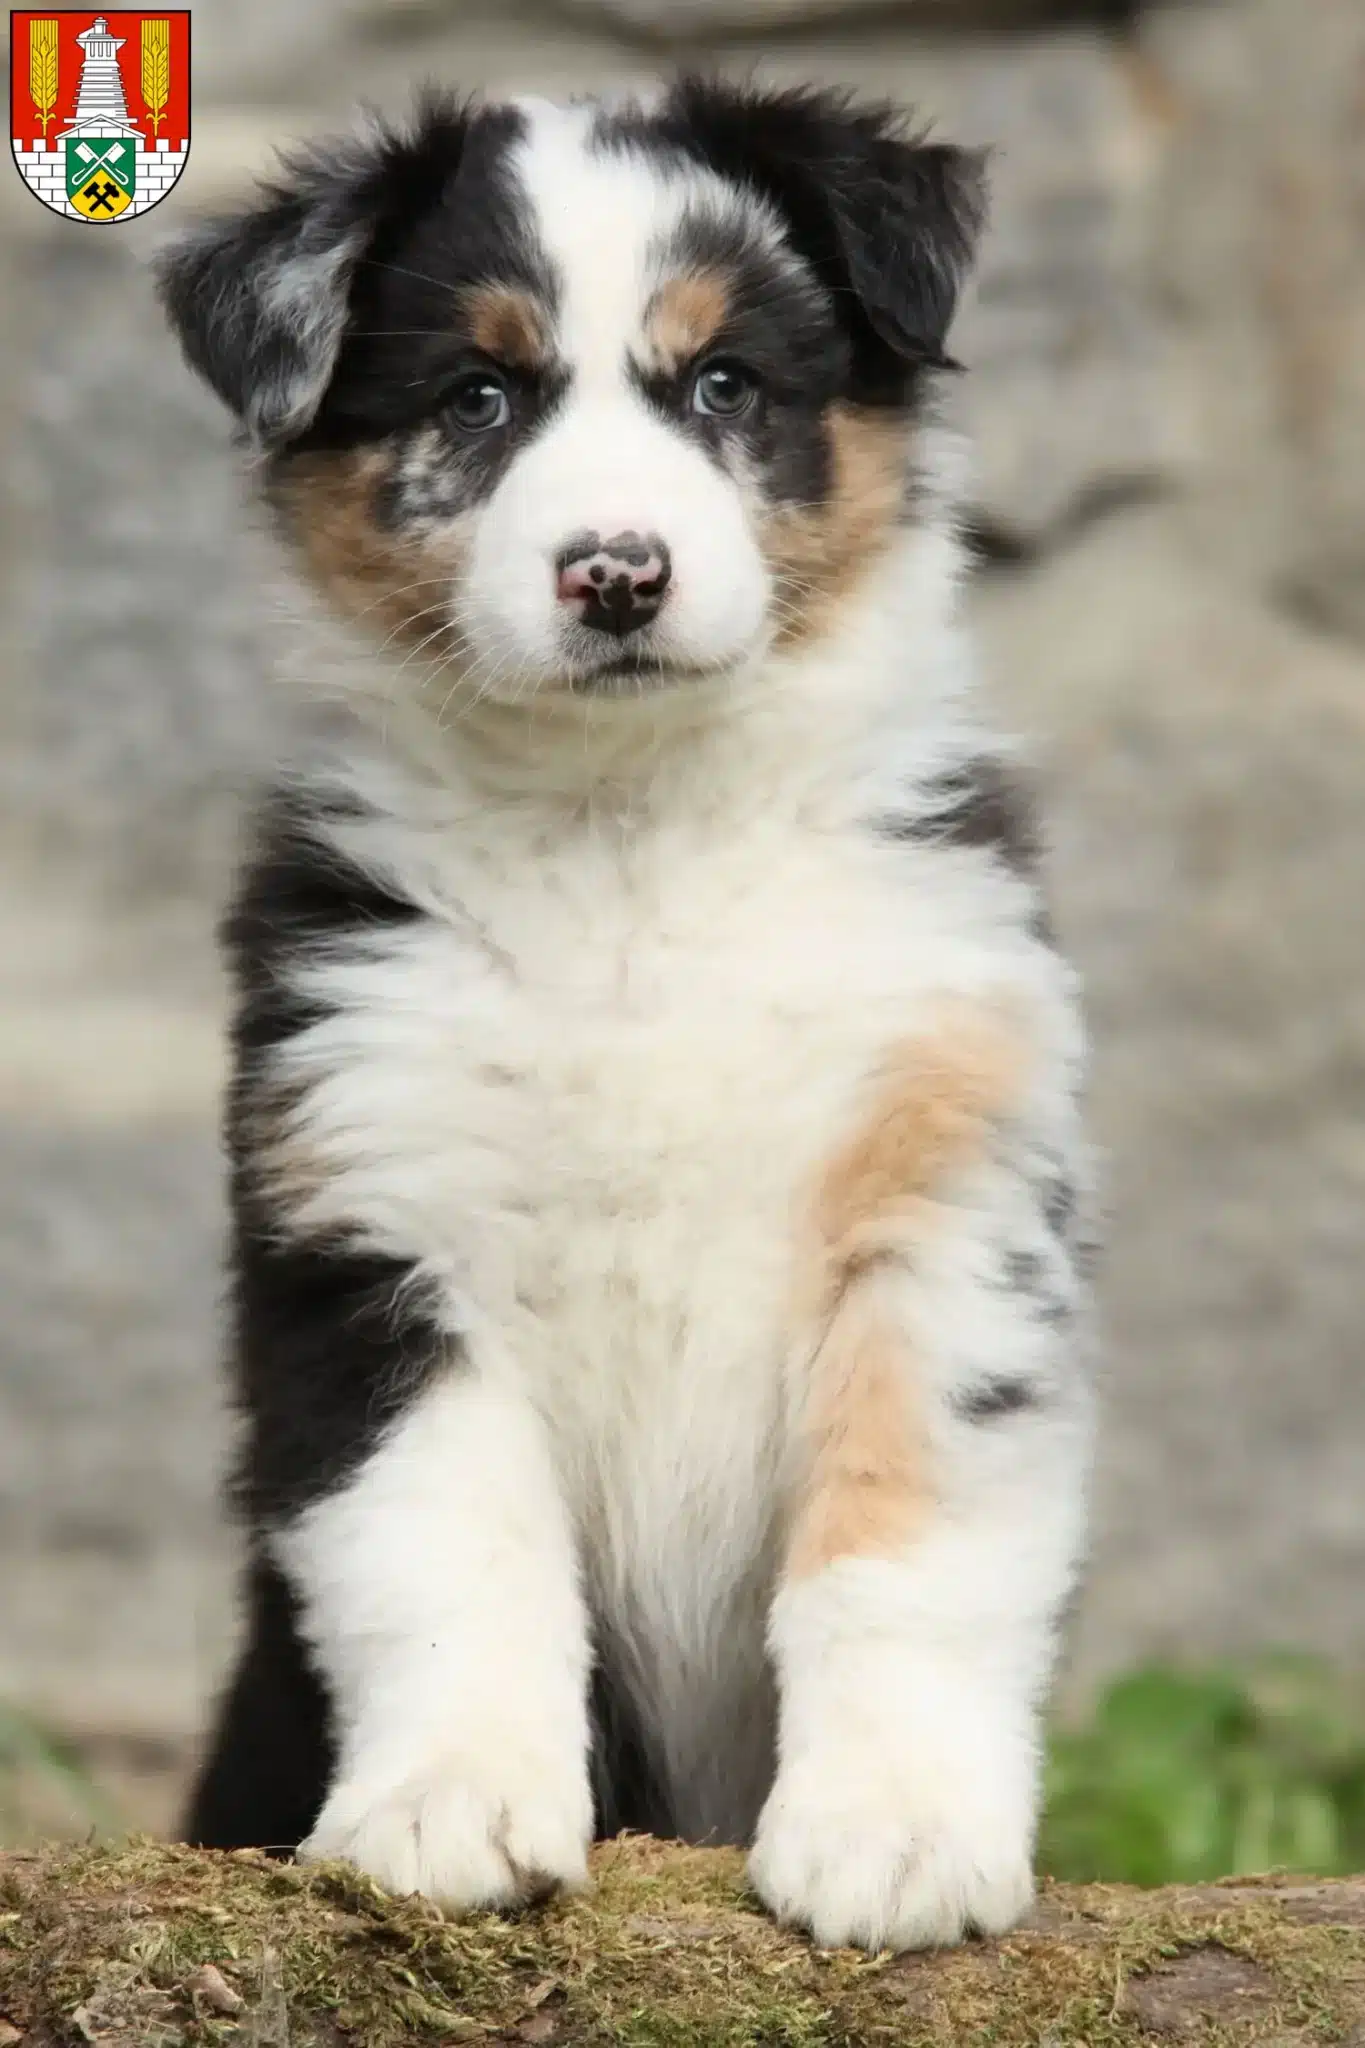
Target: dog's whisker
point(419, 276)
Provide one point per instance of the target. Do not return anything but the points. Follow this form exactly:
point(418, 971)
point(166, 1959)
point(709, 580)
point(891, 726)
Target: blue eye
point(722, 391)
point(479, 403)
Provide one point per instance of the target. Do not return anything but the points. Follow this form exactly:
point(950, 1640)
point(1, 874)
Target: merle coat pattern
point(658, 1190)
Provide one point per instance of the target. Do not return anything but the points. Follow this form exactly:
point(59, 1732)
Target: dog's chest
point(593, 1104)
point(619, 1045)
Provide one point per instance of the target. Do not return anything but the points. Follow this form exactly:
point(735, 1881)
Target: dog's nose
point(617, 585)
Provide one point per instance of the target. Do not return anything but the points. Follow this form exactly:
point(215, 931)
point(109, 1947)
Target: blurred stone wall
point(1168, 394)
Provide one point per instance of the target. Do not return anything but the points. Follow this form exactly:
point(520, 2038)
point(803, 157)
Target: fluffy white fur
point(585, 1098)
point(463, 1771)
point(602, 1184)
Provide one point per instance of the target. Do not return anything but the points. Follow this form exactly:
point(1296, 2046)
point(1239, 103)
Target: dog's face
point(591, 398)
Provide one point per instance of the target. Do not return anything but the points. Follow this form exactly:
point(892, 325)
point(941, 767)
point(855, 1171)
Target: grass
point(1177, 1776)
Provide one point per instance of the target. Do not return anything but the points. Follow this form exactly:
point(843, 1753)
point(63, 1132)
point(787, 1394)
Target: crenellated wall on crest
point(44, 169)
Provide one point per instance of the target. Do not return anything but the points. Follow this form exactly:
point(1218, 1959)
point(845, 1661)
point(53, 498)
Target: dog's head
point(581, 398)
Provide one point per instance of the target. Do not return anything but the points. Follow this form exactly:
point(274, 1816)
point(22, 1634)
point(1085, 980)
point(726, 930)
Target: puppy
point(658, 1189)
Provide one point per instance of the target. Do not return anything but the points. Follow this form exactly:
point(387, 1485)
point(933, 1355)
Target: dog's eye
point(722, 391)
point(479, 402)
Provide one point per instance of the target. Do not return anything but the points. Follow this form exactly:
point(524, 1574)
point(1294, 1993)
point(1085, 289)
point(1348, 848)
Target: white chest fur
point(589, 1101)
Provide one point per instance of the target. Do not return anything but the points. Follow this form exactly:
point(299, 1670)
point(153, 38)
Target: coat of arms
point(100, 109)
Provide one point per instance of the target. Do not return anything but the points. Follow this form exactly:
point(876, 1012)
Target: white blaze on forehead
point(603, 217)
point(605, 460)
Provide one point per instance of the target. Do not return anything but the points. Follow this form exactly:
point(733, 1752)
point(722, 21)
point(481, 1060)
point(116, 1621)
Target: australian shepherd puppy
point(657, 1187)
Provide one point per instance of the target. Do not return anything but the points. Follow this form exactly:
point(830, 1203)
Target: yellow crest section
point(99, 199)
point(156, 69)
point(42, 69)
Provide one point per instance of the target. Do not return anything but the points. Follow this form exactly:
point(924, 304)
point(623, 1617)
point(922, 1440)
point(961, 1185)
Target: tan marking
point(867, 1486)
point(508, 324)
point(935, 1102)
point(819, 553)
point(398, 583)
point(685, 316)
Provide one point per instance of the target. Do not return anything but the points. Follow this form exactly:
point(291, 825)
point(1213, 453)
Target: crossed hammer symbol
point(101, 193)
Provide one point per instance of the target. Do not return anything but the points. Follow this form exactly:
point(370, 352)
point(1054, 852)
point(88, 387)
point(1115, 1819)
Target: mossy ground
point(103, 1945)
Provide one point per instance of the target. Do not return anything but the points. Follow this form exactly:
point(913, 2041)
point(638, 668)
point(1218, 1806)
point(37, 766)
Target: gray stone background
point(1168, 390)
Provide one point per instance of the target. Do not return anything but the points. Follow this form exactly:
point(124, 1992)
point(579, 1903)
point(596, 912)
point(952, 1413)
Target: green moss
point(667, 1949)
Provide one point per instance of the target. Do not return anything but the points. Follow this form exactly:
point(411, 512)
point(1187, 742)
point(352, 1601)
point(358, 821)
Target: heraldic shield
point(100, 109)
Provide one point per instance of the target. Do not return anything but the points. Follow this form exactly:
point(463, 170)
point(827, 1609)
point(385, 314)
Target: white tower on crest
point(100, 101)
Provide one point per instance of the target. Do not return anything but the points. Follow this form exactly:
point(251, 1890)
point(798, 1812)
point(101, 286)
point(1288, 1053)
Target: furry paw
point(468, 1829)
point(888, 1865)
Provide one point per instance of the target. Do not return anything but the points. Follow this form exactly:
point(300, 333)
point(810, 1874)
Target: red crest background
point(26, 127)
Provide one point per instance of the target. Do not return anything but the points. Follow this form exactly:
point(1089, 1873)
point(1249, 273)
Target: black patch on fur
point(296, 896)
point(986, 804)
point(260, 298)
point(783, 329)
point(409, 339)
point(1025, 1272)
point(271, 1757)
point(887, 223)
point(996, 1398)
point(1075, 1227)
point(1036, 1278)
point(1059, 1205)
point(329, 1343)
point(628, 1788)
point(409, 343)
point(327, 313)
point(330, 1348)
point(982, 804)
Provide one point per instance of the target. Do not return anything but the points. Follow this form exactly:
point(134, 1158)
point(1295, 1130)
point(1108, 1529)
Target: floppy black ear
point(260, 298)
point(885, 217)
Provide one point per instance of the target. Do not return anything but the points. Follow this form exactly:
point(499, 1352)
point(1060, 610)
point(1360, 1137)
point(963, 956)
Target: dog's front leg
point(936, 1518)
point(439, 1593)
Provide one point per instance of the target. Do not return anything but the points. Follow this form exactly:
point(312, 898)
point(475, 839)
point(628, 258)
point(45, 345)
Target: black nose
point(617, 585)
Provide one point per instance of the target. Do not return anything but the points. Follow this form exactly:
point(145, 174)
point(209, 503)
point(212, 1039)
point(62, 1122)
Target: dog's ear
point(885, 218)
point(260, 299)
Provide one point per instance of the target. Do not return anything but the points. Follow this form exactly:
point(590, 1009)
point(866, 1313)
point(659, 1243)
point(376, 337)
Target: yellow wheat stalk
point(156, 68)
point(42, 69)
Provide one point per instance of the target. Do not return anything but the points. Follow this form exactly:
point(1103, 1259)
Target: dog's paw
point(888, 1865)
point(470, 1828)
